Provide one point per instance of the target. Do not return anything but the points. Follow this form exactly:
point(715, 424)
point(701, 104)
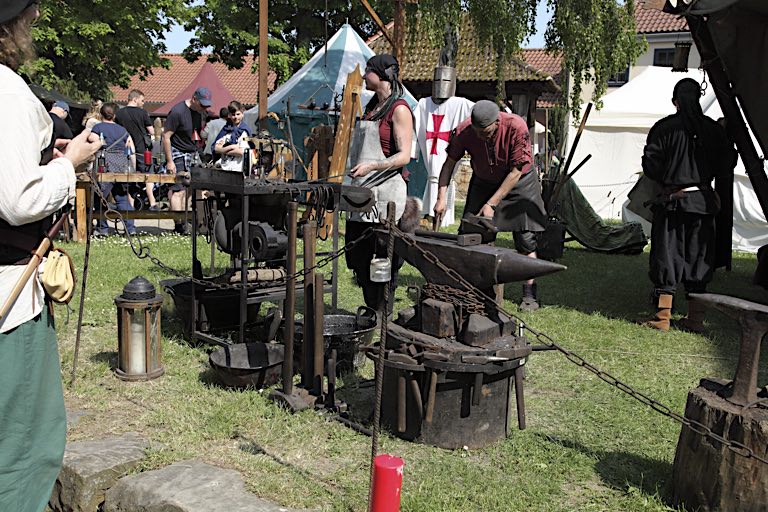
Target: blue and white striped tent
point(321, 79)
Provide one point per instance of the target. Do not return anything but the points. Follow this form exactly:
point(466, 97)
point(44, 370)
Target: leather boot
point(694, 321)
point(530, 301)
point(663, 313)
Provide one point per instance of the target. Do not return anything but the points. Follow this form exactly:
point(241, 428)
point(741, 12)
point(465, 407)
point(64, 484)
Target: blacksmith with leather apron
point(32, 416)
point(504, 184)
point(379, 157)
point(684, 152)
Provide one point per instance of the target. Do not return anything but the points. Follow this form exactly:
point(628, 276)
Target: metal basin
point(248, 365)
point(344, 333)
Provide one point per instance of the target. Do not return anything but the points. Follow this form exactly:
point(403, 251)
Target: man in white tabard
point(436, 118)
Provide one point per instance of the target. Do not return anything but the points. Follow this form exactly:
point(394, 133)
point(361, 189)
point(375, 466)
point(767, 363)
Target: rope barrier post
point(382, 342)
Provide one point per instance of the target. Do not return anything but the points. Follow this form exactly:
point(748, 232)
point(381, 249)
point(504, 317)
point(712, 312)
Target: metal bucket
point(248, 365)
point(216, 309)
point(344, 333)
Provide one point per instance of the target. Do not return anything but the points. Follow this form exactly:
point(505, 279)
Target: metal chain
point(466, 301)
point(697, 427)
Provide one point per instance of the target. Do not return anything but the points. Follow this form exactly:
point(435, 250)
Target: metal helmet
point(444, 83)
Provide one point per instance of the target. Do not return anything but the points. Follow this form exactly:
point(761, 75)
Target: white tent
point(615, 137)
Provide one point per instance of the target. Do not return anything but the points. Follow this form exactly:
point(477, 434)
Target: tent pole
point(737, 129)
point(263, 64)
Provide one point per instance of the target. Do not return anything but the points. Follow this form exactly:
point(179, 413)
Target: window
point(619, 79)
point(664, 57)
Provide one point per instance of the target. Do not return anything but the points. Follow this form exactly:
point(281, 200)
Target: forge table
point(335, 197)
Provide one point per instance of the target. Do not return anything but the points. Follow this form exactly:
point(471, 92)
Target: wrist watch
point(493, 206)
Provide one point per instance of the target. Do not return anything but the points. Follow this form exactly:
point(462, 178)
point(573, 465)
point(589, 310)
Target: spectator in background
point(59, 113)
point(229, 141)
point(136, 121)
point(93, 117)
point(210, 132)
point(120, 157)
point(184, 121)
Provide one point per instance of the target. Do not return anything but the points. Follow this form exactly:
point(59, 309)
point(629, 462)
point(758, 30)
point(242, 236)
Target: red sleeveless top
point(386, 133)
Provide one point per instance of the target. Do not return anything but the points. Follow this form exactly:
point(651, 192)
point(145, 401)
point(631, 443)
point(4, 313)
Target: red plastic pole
point(386, 484)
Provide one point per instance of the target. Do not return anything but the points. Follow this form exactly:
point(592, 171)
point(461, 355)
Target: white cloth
point(29, 191)
point(233, 162)
point(209, 133)
point(434, 124)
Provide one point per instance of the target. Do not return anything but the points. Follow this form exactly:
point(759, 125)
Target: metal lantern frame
point(138, 331)
point(680, 58)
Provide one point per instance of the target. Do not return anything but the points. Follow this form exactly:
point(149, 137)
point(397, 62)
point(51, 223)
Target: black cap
point(379, 65)
point(12, 8)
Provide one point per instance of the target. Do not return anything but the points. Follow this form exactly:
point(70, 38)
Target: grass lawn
point(587, 445)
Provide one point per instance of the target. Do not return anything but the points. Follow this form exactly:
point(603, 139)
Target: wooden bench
point(82, 198)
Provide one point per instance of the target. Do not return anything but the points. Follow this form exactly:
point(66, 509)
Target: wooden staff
point(34, 261)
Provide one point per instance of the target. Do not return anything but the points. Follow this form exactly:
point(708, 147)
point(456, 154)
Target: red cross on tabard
point(437, 120)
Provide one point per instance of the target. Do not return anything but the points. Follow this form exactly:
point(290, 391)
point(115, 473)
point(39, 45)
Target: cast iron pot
point(255, 365)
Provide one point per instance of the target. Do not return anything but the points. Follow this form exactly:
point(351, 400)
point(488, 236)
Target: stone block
point(187, 486)
point(92, 467)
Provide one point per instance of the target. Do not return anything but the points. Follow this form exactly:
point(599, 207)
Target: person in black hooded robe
point(684, 152)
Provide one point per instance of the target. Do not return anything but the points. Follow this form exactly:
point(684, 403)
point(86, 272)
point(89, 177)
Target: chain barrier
point(697, 427)
point(471, 298)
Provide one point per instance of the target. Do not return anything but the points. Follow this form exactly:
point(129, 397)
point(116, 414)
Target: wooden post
point(399, 31)
point(81, 203)
point(263, 64)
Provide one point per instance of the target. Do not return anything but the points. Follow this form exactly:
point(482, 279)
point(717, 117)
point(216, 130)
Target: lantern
point(680, 59)
point(138, 331)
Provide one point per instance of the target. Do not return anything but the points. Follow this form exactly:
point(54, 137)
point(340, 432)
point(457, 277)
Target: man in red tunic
point(504, 184)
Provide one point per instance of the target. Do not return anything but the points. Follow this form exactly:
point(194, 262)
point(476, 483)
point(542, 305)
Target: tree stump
point(707, 476)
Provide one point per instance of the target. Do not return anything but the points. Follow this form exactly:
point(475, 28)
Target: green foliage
point(297, 28)
point(84, 47)
point(597, 38)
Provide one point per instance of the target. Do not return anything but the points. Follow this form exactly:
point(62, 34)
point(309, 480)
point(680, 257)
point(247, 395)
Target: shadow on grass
point(107, 356)
point(249, 445)
point(623, 470)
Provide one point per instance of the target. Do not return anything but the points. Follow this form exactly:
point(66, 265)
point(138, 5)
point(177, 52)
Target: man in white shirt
point(32, 415)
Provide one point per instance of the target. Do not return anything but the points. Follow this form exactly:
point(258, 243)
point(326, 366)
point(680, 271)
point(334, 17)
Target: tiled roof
point(549, 64)
point(650, 19)
point(473, 62)
point(164, 84)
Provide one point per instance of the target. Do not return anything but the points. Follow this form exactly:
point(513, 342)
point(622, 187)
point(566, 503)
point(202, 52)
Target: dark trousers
point(359, 260)
point(682, 251)
point(120, 193)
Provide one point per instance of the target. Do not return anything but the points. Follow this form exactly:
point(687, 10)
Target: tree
point(597, 38)
point(296, 29)
point(84, 47)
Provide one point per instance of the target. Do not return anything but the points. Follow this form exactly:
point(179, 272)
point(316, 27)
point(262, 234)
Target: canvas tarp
point(321, 82)
point(615, 137)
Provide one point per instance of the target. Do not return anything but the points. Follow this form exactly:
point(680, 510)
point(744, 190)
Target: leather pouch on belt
point(58, 277)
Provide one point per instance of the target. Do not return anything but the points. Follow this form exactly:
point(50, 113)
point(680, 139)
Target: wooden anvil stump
point(707, 475)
